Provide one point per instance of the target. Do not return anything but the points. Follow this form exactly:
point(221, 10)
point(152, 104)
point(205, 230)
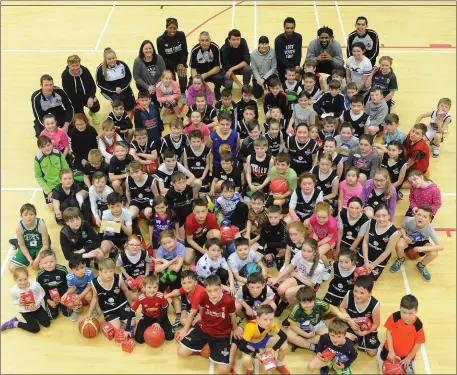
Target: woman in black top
point(367, 36)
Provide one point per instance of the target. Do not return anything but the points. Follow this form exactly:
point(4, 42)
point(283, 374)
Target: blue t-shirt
point(80, 284)
point(179, 251)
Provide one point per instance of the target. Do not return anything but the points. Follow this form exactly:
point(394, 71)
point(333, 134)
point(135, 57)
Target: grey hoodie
point(333, 48)
point(263, 65)
point(143, 78)
point(377, 112)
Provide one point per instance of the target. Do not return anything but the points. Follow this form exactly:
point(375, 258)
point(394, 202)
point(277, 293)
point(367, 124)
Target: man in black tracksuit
point(235, 59)
point(54, 100)
point(288, 49)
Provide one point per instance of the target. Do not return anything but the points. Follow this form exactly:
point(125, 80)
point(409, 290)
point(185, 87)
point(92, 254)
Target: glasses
point(379, 180)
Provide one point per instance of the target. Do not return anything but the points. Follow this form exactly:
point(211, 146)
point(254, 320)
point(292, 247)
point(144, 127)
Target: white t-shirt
point(126, 216)
point(206, 266)
point(303, 267)
point(236, 263)
point(239, 294)
point(38, 294)
point(359, 70)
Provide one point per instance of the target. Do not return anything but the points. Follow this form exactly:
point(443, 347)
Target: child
point(355, 116)
point(350, 221)
point(154, 310)
point(144, 151)
point(48, 164)
point(69, 193)
point(118, 166)
point(224, 139)
point(291, 87)
point(78, 237)
point(339, 147)
point(257, 215)
point(440, 120)
point(122, 122)
point(331, 103)
point(162, 218)
point(226, 104)
point(176, 140)
point(273, 237)
point(32, 312)
point(200, 225)
point(245, 261)
point(258, 167)
point(207, 112)
point(384, 78)
point(343, 277)
point(168, 167)
point(247, 147)
point(417, 152)
point(199, 86)
point(196, 158)
point(113, 297)
point(391, 132)
point(98, 193)
point(423, 191)
point(395, 163)
point(108, 139)
point(245, 102)
point(313, 131)
point(96, 163)
point(226, 205)
point(276, 115)
point(302, 112)
point(275, 138)
point(197, 124)
point(405, 334)
point(58, 137)
point(167, 91)
point(348, 188)
point(53, 277)
point(351, 90)
point(415, 234)
point(226, 172)
point(282, 169)
point(359, 303)
point(309, 67)
point(329, 128)
point(358, 68)
point(275, 98)
point(32, 239)
point(304, 198)
point(364, 157)
point(379, 190)
point(252, 295)
point(241, 125)
point(337, 343)
point(327, 179)
point(147, 116)
point(338, 74)
point(256, 337)
point(310, 87)
point(301, 149)
point(140, 190)
point(377, 109)
point(83, 139)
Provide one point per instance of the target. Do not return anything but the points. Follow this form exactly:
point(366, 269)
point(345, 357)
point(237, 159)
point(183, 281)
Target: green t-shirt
point(290, 176)
point(298, 315)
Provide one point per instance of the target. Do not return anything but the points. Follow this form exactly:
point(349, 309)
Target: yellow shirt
point(252, 332)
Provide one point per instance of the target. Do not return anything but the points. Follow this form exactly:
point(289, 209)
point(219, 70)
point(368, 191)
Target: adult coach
point(325, 51)
point(288, 49)
point(54, 100)
point(368, 37)
point(235, 59)
point(205, 59)
point(172, 47)
point(78, 83)
point(264, 67)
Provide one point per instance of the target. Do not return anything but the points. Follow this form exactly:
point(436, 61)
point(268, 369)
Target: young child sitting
point(122, 122)
point(393, 160)
point(147, 116)
point(275, 138)
point(118, 167)
point(224, 139)
point(405, 334)
point(302, 112)
point(345, 141)
point(331, 103)
point(257, 215)
point(245, 102)
point(291, 87)
point(417, 152)
point(175, 140)
point(32, 312)
point(227, 206)
point(196, 158)
point(140, 190)
point(275, 98)
point(327, 178)
point(245, 261)
point(356, 116)
point(58, 137)
point(258, 168)
point(162, 218)
point(276, 115)
point(226, 104)
point(83, 138)
point(197, 124)
point(349, 187)
point(309, 68)
point(329, 128)
point(423, 192)
point(247, 146)
point(242, 124)
point(378, 190)
point(392, 133)
point(225, 172)
point(364, 157)
point(310, 87)
point(98, 193)
point(199, 86)
point(168, 93)
point(282, 169)
point(273, 236)
point(338, 74)
point(301, 149)
point(154, 310)
point(95, 163)
point(377, 109)
point(207, 112)
point(144, 150)
point(304, 198)
point(108, 139)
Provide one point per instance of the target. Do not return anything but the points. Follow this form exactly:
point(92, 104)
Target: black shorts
point(46, 198)
point(368, 342)
point(140, 204)
point(219, 346)
point(332, 299)
point(418, 244)
point(201, 242)
point(123, 313)
point(299, 282)
point(377, 271)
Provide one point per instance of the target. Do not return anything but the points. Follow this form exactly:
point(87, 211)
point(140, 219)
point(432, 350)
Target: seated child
point(98, 193)
point(329, 129)
point(310, 87)
point(245, 102)
point(226, 104)
point(391, 132)
point(351, 222)
point(257, 215)
point(343, 276)
point(364, 157)
point(147, 116)
point(377, 109)
point(95, 163)
point(140, 190)
point(345, 141)
point(83, 138)
point(33, 313)
point(291, 87)
point(395, 163)
point(358, 304)
point(58, 137)
point(224, 139)
point(384, 78)
point(405, 334)
point(309, 68)
point(417, 152)
point(336, 342)
point(196, 159)
point(356, 116)
point(144, 151)
point(229, 209)
point(197, 124)
point(304, 198)
point(108, 139)
point(118, 166)
point(327, 178)
point(351, 90)
point(423, 192)
point(241, 125)
point(154, 310)
point(162, 218)
point(168, 93)
point(175, 140)
point(225, 172)
point(275, 138)
point(338, 74)
point(247, 146)
point(301, 149)
point(273, 237)
point(245, 261)
point(296, 234)
point(276, 115)
point(348, 188)
point(302, 112)
point(331, 103)
point(207, 112)
point(275, 98)
point(258, 168)
point(198, 86)
point(122, 122)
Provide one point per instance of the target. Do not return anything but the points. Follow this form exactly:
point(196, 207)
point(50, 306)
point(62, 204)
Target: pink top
point(162, 98)
point(355, 191)
point(430, 195)
point(191, 92)
point(322, 231)
point(203, 128)
point(59, 139)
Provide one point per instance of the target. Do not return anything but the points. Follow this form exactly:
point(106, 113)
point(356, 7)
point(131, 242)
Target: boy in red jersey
point(154, 306)
point(217, 323)
point(417, 151)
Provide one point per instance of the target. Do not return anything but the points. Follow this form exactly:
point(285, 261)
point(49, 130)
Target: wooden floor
point(37, 37)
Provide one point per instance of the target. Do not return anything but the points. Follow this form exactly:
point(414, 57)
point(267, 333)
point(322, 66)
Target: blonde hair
point(18, 271)
point(167, 233)
point(106, 52)
point(107, 264)
point(445, 101)
point(95, 156)
point(383, 172)
point(135, 165)
point(167, 72)
point(73, 59)
point(323, 206)
point(312, 243)
point(108, 124)
point(389, 59)
point(299, 227)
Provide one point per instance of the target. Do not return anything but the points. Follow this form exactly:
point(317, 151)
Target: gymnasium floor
point(37, 37)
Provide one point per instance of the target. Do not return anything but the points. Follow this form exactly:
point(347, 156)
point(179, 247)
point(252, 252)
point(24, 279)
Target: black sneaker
point(286, 323)
point(281, 307)
point(294, 348)
point(15, 243)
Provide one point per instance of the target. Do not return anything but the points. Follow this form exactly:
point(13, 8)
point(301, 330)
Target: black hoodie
point(80, 88)
point(233, 56)
point(173, 49)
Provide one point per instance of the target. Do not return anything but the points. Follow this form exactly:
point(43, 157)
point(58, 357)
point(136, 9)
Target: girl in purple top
point(379, 190)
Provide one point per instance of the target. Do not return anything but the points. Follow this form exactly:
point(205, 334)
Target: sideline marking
point(105, 26)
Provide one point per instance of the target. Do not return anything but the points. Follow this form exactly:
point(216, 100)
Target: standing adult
point(148, 68)
point(205, 59)
point(235, 59)
point(264, 66)
point(172, 47)
point(288, 49)
point(368, 37)
point(54, 100)
point(78, 83)
point(325, 51)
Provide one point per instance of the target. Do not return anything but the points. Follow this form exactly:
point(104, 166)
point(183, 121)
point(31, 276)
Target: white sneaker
point(95, 313)
point(183, 98)
point(74, 316)
point(436, 151)
point(327, 273)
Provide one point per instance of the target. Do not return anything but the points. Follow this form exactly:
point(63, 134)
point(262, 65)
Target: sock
point(15, 324)
point(279, 363)
point(420, 264)
point(251, 368)
point(80, 200)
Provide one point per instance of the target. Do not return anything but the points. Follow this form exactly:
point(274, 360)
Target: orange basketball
point(279, 185)
point(151, 168)
point(154, 337)
point(392, 368)
point(89, 327)
point(412, 254)
point(228, 233)
point(205, 351)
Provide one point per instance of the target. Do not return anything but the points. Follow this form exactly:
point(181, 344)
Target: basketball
point(151, 168)
point(89, 327)
point(279, 185)
point(412, 254)
point(205, 351)
point(228, 233)
point(153, 337)
point(392, 368)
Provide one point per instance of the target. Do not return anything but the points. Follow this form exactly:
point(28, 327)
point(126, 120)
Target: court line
point(316, 14)
point(105, 26)
point(255, 23)
point(211, 367)
point(341, 20)
point(233, 15)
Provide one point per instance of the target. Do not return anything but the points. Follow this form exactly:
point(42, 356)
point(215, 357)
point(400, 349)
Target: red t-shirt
point(419, 152)
point(151, 305)
point(194, 297)
point(215, 320)
point(197, 230)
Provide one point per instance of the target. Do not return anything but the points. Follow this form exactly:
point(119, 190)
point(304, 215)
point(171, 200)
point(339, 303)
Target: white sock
point(80, 200)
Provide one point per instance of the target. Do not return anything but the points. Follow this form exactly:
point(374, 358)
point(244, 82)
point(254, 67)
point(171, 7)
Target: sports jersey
point(176, 145)
point(393, 169)
point(274, 144)
point(151, 306)
point(204, 61)
point(223, 143)
point(294, 247)
point(159, 224)
point(342, 282)
point(123, 121)
point(257, 219)
point(350, 228)
point(234, 175)
point(112, 298)
point(215, 317)
point(298, 315)
point(377, 242)
point(253, 333)
point(33, 238)
point(386, 82)
point(208, 114)
point(193, 298)
point(355, 311)
point(241, 106)
point(55, 279)
point(244, 294)
point(304, 205)
point(323, 135)
point(180, 202)
point(292, 90)
point(141, 192)
point(118, 167)
point(242, 129)
point(358, 122)
point(196, 160)
point(301, 154)
point(133, 265)
point(371, 41)
point(145, 149)
point(227, 206)
point(196, 230)
point(324, 183)
point(89, 170)
point(80, 284)
point(419, 152)
point(163, 174)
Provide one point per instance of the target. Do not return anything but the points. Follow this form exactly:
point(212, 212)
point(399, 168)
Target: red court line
point(447, 230)
point(430, 46)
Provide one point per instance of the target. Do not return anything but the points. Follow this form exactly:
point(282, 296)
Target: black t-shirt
point(181, 203)
point(234, 175)
point(59, 193)
point(117, 166)
point(89, 170)
point(208, 114)
point(204, 61)
point(347, 348)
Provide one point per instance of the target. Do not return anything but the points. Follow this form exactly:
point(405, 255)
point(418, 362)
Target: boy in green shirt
point(282, 169)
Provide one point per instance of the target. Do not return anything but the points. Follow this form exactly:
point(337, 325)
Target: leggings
point(33, 319)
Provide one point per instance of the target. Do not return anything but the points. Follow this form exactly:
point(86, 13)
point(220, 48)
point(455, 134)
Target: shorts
point(332, 299)
point(123, 313)
point(20, 260)
point(219, 346)
point(418, 244)
point(431, 132)
point(46, 198)
point(261, 344)
point(141, 205)
point(368, 342)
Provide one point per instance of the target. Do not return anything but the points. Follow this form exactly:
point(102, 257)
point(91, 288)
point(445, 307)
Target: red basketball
point(154, 337)
point(279, 185)
point(205, 351)
point(228, 233)
point(89, 327)
point(392, 368)
point(151, 168)
point(412, 254)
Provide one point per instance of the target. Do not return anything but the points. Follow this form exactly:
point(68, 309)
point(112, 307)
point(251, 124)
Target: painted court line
point(340, 20)
point(316, 14)
point(105, 26)
point(233, 14)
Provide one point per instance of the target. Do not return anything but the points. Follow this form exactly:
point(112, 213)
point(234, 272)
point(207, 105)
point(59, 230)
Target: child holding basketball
point(282, 169)
point(145, 150)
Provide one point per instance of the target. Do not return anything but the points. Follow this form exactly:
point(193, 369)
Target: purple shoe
point(12, 323)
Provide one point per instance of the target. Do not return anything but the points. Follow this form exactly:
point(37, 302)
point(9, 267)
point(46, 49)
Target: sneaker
point(94, 118)
point(74, 316)
point(286, 323)
point(397, 265)
point(280, 309)
point(14, 242)
point(312, 347)
point(327, 273)
point(436, 152)
point(283, 370)
point(183, 98)
point(94, 313)
point(324, 370)
point(233, 372)
point(177, 323)
point(423, 271)
point(12, 323)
